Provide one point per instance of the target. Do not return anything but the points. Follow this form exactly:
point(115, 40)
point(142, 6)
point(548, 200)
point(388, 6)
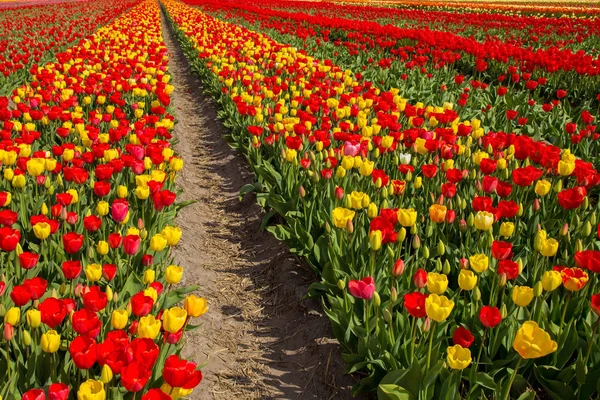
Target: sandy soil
point(260, 339)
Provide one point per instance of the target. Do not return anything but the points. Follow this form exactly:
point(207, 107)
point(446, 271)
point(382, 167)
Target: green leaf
point(392, 392)
point(557, 390)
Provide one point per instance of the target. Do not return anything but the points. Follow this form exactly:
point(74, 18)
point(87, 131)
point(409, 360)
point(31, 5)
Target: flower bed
point(454, 261)
point(89, 294)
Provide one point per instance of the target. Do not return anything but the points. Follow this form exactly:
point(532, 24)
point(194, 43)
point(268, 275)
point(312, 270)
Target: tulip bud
point(503, 311)
point(375, 240)
point(302, 192)
point(426, 325)
point(564, 230)
point(418, 182)
point(341, 284)
point(416, 242)
point(384, 204)
point(26, 338)
point(54, 294)
point(464, 263)
point(140, 224)
point(502, 281)
point(538, 289)
point(470, 220)
point(393, 295)
point(398, 268)
point(441, 248)
point(462, 225)
point(387, 316)
point(536, 206)
point(429, 230)
point(339, 193)
point(520, 264)
point(106, 375)
point(327, 227)
point(372, 211)
point(425, 252)
point(438, 265)
point(109, 293)
point(9, 332)
point(62, 289)
point(446, 269)
point(390, 252)
point(413, 229)
point(2, 311)
point(578, 245)
point(401, 235)
point(376, 299)
point(476, 294)
point(587, 229)
point(585, 203)
point(593, 218)
point(350, 227)
point(558, 186)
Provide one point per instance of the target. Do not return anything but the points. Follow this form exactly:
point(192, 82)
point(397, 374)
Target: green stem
point(512, 379)
point(430, 345)
point(367, 317)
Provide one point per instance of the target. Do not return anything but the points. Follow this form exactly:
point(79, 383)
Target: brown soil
point(260, 339)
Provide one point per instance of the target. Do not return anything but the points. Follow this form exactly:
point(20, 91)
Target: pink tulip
point(362, 289)
point(351, 149)
point(119, 210)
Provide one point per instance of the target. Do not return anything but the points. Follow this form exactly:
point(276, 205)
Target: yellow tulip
point(549, 247)
point(119, 319)
point(507, 229)
point(438, 308)
point(484, 220)
point(12, 316)
point(542, 187)
point(407, 217)
point(158, 242)
point(50, 341)
point(42, 230)
point(466, 279)
point(174, 319)
point(148, 327)
point(102, 208)
point(341, 216)
point(366, 168)
point(36, 166)
point(93, 272)
point(551, 280)
point(437, 283)
point(91, 390)
point(359, 200)
point(34, 318)
point(173, 274)
point(522, 295)
point(173, 234)
point(533, 342)
point(459, 357)
point(195, 306)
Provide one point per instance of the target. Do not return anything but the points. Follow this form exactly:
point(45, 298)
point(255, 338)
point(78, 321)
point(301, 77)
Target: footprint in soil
point(261, 340)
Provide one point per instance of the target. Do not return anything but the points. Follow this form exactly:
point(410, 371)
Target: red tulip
point(489, 316)
point(415, 304)
point(141, 304)
point(181, 373)
point(501, 250)
point(53, 312)
point(34, 394)
point(109, 271)
point(95, 299)
point(463, 337)
point(131, 244)
point(58, 391)
point(156, 394)
point(72, 242)
point(115, 240)
point(36, 286)
point(570, 199)
point(20, 295)
point(595, 303)
point(71, 269)
point(509, 268)
point(86, 323)
point(92, 223)
point(420, 278)
point(28, 260)
point(9, 238)
point(135, 376)
point(83, 352)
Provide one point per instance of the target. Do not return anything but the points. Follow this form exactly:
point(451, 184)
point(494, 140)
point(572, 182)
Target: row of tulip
point(31, 34)
point(455, 262)
point(521, 102)
point(90, 298)
point(538, 31)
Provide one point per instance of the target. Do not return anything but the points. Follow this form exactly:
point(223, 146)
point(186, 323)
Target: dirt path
point(259, 338)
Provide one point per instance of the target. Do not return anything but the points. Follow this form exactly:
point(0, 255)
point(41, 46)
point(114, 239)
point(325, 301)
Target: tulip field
point(436, 166)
